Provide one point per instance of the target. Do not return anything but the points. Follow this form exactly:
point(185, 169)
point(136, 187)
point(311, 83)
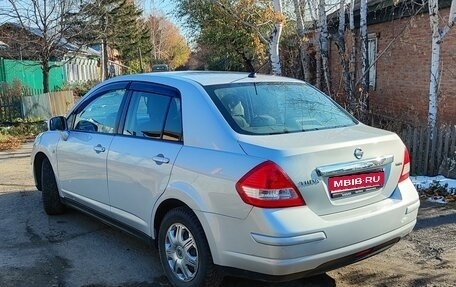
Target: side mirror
point(57, 124)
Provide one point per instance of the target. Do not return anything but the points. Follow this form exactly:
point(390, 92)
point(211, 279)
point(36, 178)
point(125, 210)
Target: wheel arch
point(161, 211)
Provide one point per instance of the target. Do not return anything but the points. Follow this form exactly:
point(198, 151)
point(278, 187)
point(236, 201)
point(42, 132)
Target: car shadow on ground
point(77, 250)
point(322, 280)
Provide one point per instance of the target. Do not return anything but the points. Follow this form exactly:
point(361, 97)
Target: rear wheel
point(184, 251)
point(50, 194)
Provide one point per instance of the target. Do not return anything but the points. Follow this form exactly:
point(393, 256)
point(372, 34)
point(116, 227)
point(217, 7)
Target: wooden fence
point(429, 155)
point(47, 105)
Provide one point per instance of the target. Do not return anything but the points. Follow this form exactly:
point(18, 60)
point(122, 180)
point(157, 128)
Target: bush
point(10, 100)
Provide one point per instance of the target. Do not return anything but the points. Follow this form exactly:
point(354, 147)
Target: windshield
point(276, 108)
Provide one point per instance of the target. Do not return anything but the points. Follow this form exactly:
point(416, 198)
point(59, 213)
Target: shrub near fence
point(10, 101)
point(429, 156)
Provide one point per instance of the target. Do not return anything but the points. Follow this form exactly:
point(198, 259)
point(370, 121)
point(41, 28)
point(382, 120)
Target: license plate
point(355, 183)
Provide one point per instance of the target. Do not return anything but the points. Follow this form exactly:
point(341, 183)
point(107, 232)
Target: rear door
point(82, 155)
point(140, 160)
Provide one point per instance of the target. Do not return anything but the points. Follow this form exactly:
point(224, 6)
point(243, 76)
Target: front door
point(82, 155)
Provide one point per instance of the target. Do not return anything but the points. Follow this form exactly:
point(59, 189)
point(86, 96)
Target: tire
point(50, 193)
point(184, 251)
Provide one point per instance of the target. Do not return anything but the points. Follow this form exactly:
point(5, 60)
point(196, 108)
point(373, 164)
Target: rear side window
point(275, 108)
point(154, 116)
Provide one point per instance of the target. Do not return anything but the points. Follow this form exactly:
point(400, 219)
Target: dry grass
point(8, 142)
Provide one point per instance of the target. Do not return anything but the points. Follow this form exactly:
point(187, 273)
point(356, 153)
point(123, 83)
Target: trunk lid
point(325, 169)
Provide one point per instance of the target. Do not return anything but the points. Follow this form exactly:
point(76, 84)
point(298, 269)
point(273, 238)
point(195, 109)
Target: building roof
point(62, 42)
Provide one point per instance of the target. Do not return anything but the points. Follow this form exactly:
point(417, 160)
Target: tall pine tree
point(115, 25)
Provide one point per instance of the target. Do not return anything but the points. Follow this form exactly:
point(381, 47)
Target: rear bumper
point(327, 266)
point(289, 269)
point(296, 242)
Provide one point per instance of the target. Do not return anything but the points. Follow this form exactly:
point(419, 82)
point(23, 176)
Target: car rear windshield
point(276, 108)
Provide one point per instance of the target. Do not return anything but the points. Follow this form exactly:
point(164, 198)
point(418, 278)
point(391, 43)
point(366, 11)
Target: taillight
point(405, 173)
point(267, 185)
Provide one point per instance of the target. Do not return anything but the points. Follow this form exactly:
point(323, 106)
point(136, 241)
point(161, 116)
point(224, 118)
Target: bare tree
point(299, 8)
point(323, 37)
point(44, 24)
point(438, 34)
point(344, 58)
point(352, 61)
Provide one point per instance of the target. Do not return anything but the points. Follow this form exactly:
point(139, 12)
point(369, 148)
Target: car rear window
point(276, 108)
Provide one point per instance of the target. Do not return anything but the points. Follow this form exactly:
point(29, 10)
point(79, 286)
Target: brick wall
point(403, 72)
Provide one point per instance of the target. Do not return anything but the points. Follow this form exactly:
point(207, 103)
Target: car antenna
point(254, 72)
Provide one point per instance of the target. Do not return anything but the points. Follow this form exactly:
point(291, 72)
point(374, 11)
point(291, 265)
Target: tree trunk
point(364, 104)
point(324, 44)
point(437, 38)
point(275, 39)
point(340, 43)
point(104, 60)
point(352, 60)
point(318, 67)
point(46, 69)
point(435, 64)
point(303, 41)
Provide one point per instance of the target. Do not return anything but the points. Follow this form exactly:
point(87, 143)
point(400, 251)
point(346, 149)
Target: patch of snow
point(425, 182)
point(437, 199)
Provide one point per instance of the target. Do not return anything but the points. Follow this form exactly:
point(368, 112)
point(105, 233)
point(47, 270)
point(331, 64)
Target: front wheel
point(50, 193)
point(184, 251)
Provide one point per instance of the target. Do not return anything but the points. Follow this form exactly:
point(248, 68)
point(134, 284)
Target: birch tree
point(363, 100)
point(243, 29)
point(274, 39)
point(438, 34)
point(352, 61)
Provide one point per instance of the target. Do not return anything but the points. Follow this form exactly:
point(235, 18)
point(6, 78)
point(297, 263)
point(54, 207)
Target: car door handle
point(99, 148)
point(160, 159)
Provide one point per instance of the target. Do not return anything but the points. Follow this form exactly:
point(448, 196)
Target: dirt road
point(76, 250)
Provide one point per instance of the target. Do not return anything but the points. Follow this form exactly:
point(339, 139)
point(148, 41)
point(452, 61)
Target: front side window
point(275, 108)
point(154, 116)
point(100, 115)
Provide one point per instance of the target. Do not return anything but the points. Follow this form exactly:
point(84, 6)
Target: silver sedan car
point(229, 173)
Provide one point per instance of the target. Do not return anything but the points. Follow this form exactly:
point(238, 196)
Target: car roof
point(207, 78)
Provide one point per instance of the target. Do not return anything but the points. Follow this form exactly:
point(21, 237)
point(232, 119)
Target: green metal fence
point(29, 73)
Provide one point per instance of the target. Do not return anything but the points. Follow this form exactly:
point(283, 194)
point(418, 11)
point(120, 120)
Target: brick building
point(399, 81)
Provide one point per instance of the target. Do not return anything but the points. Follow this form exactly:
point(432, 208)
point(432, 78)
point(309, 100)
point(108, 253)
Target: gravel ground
point(76, 250)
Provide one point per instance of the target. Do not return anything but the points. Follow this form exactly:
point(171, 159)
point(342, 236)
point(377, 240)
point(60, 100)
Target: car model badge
point(358, 153)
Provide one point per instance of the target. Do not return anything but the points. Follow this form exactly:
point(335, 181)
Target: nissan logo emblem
point(358, 153)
